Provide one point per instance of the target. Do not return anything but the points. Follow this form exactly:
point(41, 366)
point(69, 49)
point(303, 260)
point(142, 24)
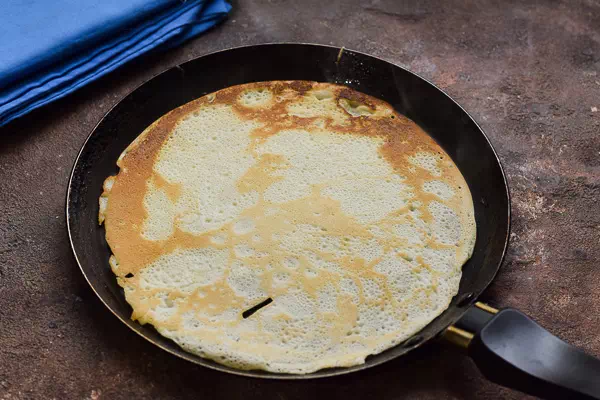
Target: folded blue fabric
point(49, 49)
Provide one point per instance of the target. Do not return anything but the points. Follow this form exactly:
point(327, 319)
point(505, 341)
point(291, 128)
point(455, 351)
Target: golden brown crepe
point(344, 213)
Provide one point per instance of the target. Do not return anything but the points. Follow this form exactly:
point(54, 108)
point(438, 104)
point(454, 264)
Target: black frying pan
point(507, 346)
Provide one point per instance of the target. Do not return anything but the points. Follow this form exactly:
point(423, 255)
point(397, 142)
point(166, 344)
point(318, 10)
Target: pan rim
point(324, 373)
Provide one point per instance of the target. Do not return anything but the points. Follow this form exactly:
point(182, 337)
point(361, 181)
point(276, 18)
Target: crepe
point(287, 226)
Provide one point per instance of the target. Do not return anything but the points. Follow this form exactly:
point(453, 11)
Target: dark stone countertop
point(528, 71)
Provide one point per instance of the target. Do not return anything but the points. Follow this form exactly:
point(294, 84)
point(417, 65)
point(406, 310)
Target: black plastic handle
point(512, 350)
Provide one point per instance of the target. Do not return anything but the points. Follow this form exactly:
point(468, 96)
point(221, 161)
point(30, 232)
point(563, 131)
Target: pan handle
point(510, 349)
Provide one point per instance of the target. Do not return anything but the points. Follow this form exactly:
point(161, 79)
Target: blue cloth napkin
point(50, 48)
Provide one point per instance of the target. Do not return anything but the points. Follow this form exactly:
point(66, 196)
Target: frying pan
point(507, 346)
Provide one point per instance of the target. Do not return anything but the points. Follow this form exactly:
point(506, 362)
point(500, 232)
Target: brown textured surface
point(528, 71)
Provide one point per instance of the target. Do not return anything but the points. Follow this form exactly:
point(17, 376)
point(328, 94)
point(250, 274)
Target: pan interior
point(445, 121)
